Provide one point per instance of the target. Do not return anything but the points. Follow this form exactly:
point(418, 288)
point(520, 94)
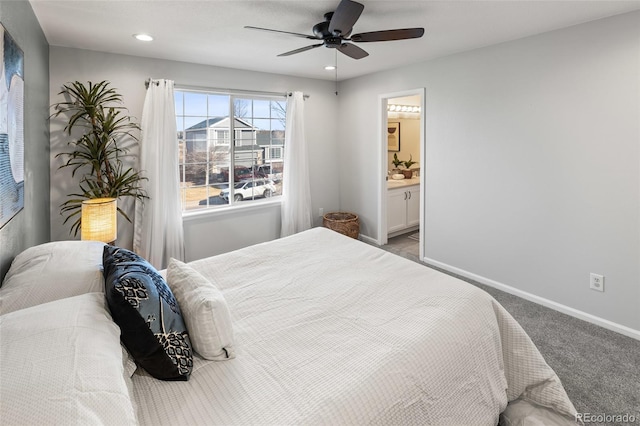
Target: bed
point(325, 330)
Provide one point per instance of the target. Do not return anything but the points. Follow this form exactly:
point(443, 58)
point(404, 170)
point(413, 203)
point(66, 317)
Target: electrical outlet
point(321, 212)
point(596, 282)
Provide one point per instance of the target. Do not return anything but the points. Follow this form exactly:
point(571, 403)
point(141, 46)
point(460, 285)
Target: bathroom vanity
point(403, 206)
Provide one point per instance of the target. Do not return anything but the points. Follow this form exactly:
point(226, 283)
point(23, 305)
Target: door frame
point(382, 162)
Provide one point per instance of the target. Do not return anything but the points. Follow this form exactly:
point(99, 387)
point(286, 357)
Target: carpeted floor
point(600, 369)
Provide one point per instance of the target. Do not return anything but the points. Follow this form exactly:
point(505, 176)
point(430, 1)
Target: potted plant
point(407, 164)
point(396, 163)
point(101, 136)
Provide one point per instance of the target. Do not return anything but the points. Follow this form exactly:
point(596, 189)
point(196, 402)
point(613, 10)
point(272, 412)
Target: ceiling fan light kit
point(335, 32)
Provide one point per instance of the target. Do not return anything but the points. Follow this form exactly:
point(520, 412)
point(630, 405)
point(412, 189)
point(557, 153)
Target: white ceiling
point(211, 32)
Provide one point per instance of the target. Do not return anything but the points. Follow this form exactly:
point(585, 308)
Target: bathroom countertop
point(392, 183)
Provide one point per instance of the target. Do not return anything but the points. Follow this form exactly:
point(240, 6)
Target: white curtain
point(158, 234)
point(296, 203)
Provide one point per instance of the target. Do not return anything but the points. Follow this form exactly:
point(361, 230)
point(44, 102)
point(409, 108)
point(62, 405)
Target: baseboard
point(369, 240)
point(404, 231)
point(609, 325)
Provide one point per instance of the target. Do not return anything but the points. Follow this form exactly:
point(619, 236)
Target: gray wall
point(31, 225)
point(532, 162)
point(207, 234)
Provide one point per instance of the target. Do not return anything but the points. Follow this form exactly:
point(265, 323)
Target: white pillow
point(204, 310)
point(62, 364)
point(128, 363)
point(52, 271)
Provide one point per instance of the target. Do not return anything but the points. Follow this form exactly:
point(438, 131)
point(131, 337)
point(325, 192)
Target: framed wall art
point(393, 136)
point(11, 128)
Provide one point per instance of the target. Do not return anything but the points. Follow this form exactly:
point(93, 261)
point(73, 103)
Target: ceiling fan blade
point(352, 51)
point(388, 35)
point(345, 16)
point(282, 32)
point(302, 49)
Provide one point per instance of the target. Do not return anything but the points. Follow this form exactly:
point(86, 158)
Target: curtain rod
point(215, 89)
point(147, 82)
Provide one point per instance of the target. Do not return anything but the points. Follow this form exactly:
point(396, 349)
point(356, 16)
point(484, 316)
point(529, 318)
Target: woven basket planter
point(345, 223)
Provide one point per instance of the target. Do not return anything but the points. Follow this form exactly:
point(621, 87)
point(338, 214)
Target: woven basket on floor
point(345, 223)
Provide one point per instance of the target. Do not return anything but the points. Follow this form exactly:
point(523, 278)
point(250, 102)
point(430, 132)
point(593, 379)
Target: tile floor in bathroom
point(403, 245)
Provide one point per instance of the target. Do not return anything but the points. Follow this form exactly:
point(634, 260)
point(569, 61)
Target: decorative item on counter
point(408, 174)
point(396, 163)
point(397, 176)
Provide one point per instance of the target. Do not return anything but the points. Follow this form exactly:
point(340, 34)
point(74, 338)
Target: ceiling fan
point(335, 32)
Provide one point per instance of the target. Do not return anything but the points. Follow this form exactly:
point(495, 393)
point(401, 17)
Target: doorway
point(402, 133)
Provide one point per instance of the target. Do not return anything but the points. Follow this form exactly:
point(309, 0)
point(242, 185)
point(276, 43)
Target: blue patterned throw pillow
point(148, 314)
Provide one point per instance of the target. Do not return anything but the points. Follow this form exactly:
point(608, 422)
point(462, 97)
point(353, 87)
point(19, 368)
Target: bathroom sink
point(393, 183)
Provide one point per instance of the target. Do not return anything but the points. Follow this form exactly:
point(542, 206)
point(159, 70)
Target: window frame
point(233, 205)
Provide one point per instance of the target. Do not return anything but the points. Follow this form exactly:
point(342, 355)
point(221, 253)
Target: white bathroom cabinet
point(403, 208)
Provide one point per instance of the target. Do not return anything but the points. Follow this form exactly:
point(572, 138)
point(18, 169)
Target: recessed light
point(143, 37)
point(330, 68)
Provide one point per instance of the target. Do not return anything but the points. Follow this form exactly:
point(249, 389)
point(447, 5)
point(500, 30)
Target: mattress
point(331, 330)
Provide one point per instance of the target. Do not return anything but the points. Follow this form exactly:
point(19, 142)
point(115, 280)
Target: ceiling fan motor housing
point(321, 31)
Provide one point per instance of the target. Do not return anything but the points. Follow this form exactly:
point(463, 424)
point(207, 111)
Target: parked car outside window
point(240, 173)
point(250, 189)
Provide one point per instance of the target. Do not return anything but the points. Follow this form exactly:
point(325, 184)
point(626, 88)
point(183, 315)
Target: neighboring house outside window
point(208, 153)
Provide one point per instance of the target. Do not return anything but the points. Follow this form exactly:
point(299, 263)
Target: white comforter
point(331, 330)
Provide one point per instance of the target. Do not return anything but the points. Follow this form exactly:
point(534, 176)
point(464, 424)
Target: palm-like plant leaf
point(107, 134)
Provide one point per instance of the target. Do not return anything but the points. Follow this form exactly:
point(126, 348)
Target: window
point(205, 122)
point(275, 153)
point(221, 137)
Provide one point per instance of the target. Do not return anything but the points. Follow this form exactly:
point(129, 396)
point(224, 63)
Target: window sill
point(206, 213)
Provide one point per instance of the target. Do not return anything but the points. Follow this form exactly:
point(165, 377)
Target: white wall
point(204, 236)
point(532, 162)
